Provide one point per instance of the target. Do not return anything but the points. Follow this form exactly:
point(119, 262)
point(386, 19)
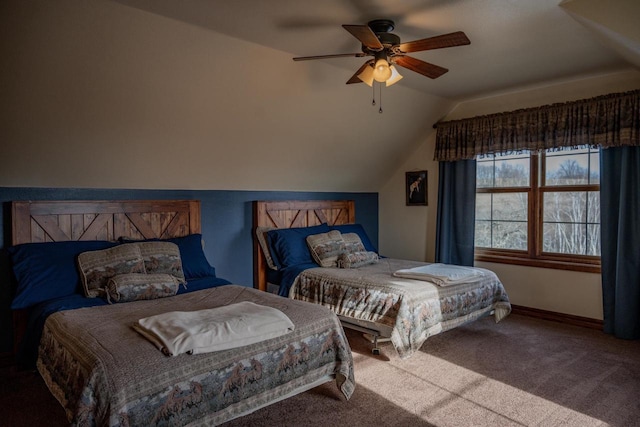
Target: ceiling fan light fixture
point(381, 72)
point(378, 41)
point(367, 76)
point(395, 76)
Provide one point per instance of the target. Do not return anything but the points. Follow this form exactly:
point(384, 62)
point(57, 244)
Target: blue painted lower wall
point(226, 227)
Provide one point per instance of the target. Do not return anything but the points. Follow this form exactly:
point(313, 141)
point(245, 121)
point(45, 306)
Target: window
point(539, 209)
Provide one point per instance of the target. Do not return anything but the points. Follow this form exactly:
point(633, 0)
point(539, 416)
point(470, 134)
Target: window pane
point(593, 240)
point(512, 172)
point(571, 222)
point(484, 174)
point(509, 235)
point(593, 207)
point(501, 220)
point(509, 206)
point(572, 167)
point(567, 169)
point(565, 206)
point(483, 206)
point(594, 167)
point(564, 238)
point(483, 234)
point(503, 171)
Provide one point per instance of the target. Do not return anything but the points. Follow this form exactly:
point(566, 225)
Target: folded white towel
point(213, 329)
point(442, 274)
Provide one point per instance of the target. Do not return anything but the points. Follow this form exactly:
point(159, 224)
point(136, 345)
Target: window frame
point(534, 256)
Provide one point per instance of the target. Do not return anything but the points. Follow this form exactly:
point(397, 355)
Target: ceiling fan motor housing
point(381, 25)
point(382, 29)
point(388, 39)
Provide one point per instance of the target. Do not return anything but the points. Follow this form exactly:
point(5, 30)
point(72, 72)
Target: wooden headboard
point(290, 214)
point(55, 221)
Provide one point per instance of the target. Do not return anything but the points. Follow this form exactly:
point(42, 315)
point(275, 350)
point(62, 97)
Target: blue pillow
point(194, 261)
point(359, 230)
point(48, 270)
point(289, 245)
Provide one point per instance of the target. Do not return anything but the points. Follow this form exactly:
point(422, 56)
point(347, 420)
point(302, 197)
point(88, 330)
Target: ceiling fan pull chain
point(380, 97)
point(373, 88)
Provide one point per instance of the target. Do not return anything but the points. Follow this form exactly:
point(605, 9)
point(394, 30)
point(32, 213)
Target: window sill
point(587, 266)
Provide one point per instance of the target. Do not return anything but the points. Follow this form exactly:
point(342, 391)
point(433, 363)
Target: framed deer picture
point(416, 188)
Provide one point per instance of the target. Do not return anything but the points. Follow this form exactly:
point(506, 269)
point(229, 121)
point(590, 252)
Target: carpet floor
point(520, 372)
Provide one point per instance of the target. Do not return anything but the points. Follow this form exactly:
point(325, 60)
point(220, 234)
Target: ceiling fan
point(387, 51)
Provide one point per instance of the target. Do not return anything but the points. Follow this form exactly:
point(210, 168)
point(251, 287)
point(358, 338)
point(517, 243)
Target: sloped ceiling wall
point(615, 22)
point(98, 94)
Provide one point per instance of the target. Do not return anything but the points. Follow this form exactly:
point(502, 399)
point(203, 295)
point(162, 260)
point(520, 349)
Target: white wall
point(99, 94)
point(409, 232)
point(561, 291)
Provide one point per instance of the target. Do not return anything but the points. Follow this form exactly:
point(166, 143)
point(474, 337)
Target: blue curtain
point(620, 228)
point(456, 212)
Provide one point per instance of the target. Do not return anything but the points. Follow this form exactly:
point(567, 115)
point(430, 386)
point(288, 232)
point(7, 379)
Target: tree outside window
point(540, 209)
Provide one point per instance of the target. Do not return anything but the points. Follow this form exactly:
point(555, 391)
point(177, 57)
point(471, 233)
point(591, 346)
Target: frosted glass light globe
point(381, 72)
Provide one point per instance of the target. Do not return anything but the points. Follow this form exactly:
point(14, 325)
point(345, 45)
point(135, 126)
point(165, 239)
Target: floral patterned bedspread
point(104, 373)
point(413, 309)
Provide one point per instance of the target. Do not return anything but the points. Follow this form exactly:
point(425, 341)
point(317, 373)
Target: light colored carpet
point(520, 372)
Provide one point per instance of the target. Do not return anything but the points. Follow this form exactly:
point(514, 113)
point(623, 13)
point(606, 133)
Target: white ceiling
point(514, 43)
point(206, 91)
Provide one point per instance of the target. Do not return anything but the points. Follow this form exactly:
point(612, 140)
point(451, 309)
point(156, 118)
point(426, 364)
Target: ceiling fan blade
point(421, 67)
point(337, 55)
point(355, 78)
point(438, 42)
point(366, 36)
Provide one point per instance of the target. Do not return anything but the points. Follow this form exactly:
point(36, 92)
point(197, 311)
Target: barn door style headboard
point(54, 221)
point(291, 214)
point(57, 221)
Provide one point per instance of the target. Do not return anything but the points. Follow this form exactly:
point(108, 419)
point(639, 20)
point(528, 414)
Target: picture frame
point(416, 188)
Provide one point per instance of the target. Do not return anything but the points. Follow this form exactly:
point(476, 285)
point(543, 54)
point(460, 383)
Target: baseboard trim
point(585, 322)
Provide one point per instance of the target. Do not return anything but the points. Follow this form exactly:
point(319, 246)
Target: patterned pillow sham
point(357, 259)
point(353, 243)
point(194, 262)
point(261, 234)
point(359, 230)
point(326, 247)
point(97, 267)
point(140, 286)
point(162, 258)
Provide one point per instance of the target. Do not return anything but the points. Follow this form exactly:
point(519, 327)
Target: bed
point(104, 372)
point(369, 298)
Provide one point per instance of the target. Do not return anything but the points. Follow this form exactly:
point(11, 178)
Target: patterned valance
point(606, 121)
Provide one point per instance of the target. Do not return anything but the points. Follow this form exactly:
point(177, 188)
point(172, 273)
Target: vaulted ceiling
point(203, 94)
point(513, 43)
